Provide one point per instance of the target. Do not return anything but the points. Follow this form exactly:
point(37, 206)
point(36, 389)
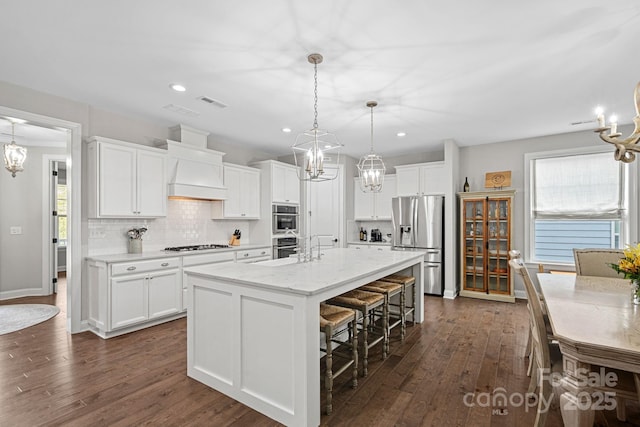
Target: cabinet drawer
point(253, 253)
point(191, 260)
point(144, 266)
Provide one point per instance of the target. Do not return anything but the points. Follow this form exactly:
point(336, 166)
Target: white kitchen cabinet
point(202, 259)
point(125, 180)
point(374, 206)
point(285, 184)
point(422, 178)
point(127, 296)
point(253, 255)
point(375, 247)
point(243, 194)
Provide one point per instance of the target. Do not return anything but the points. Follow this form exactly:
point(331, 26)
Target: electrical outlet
point(15, 230)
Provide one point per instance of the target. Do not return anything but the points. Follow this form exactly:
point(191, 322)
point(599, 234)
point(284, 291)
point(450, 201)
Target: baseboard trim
point(20, 293)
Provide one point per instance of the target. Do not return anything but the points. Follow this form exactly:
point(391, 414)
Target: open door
point(54, 226)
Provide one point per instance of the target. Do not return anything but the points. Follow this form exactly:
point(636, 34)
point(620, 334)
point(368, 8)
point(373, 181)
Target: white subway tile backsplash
point(188, 222)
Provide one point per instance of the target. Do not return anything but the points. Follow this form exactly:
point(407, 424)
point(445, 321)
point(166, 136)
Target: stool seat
point(334, 316)
point(399, 278)
point(358, 298)
point(366, 303)
point(389, 289)
point(333, 321)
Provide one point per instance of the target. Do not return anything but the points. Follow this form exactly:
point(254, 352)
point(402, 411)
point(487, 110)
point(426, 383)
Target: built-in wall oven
point(283, 247)
point(285, 217)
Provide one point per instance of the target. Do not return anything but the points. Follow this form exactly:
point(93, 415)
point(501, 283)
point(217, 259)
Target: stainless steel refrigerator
point(418, 225)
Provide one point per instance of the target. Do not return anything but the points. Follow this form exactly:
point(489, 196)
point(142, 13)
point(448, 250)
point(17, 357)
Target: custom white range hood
point(195, 172)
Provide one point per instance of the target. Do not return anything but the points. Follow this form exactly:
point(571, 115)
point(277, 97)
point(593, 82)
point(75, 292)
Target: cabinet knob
point(164, 264)
point(243, 214)
point(131, 268)
point(262, 253)
point(246, 254)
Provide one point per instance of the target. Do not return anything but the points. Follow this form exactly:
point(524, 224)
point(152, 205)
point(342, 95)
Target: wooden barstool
point(406, 282)
point(389, 290)
point(366, 303)
point(333, 321)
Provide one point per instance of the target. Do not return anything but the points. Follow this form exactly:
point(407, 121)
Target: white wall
point(21, 260)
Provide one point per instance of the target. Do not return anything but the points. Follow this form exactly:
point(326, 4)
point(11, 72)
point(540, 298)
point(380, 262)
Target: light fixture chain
point(371, 130)
point(315, 94)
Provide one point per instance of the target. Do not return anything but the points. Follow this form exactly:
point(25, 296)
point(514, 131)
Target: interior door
point(53, 209)
point(325, 212)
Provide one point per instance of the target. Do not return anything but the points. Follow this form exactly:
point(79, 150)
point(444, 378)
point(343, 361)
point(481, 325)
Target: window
point(577, 199)
point(61, 203)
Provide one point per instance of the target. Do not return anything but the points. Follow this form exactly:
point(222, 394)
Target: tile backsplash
point(188, 222)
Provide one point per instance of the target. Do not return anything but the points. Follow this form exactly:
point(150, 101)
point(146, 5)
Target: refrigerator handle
point(414, 234)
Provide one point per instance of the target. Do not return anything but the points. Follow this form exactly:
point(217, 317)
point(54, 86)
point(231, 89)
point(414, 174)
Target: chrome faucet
point(300, 242)
point(318, 236)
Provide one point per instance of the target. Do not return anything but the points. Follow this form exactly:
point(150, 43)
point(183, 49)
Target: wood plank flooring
point(48, 377)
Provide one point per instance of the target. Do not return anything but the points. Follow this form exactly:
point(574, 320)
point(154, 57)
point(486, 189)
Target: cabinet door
point(382, 200)
point(285, 184)
point(117, 181)
point(408, 180)
point(498, 239)
point(165, 293)
point(250, 195)
point(432, 179)
point(362, 202)
point(474, 244)
point(233, 182)
point(128, 301)
point(151, 184)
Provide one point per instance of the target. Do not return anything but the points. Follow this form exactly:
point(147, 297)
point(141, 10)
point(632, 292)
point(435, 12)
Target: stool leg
point(365, 344)
point(385, 327)
point(403, 315)
point(354, 353)
point(328, 379)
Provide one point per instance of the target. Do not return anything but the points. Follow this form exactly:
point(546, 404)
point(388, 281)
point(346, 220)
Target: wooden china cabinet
point(485, 232)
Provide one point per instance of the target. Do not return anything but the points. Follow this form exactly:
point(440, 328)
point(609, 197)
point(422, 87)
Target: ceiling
point(476, 72)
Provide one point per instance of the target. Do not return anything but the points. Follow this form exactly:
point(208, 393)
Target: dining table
point(597, 327)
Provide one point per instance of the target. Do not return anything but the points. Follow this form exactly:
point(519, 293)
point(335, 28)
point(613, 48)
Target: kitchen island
point(253, 330)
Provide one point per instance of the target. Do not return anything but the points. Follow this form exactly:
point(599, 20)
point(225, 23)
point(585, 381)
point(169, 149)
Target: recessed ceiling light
point(401, 134)
point(286, 130)
point(177, 87)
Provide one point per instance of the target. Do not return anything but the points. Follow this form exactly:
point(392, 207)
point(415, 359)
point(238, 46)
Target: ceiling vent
point(181, 110)
point(213, 102)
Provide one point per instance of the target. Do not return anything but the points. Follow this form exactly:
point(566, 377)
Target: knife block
point(234, 241)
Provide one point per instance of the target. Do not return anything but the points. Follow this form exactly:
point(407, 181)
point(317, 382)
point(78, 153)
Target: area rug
point(14, 317)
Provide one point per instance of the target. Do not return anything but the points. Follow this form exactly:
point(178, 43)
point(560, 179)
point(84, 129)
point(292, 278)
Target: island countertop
point(335, 268)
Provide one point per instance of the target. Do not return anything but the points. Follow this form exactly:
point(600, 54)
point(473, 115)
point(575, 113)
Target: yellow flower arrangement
point(630, 264)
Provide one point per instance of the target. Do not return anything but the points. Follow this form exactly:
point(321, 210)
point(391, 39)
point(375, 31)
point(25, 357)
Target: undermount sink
point(278, 262)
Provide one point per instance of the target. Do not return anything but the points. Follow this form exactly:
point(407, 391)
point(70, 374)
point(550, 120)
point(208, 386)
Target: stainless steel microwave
point(285, 217)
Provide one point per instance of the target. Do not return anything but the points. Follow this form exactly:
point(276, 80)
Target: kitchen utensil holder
point(135, 246)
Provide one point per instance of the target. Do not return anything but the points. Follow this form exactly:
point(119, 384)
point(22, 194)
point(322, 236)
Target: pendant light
point(14, 155)
point(371, 167)
point(316, 151)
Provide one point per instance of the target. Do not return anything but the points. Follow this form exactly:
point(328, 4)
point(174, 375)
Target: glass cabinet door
point(474, 245)
point(498, 245)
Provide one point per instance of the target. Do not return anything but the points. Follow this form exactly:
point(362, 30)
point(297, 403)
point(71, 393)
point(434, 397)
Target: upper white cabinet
point(423, 178)
point(125, 180)
point(285, 185)
point(374, 206)
point(243, 194)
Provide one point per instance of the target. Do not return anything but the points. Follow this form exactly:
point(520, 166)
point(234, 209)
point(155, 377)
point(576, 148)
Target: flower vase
point(135, 246)
point(635, 292)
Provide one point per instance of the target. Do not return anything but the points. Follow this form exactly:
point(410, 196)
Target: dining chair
point(545, 354)
point(595, 261)
point(545, 357)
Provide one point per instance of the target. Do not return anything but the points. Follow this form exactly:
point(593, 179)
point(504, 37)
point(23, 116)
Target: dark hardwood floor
point(465, 346)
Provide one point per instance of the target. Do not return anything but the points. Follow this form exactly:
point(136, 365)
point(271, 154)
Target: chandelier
point(316, 152)
point(371, 167)
point(14, 155)
point(625, 148)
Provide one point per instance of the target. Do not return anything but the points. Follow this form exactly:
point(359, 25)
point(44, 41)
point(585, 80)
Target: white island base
point(253, 330)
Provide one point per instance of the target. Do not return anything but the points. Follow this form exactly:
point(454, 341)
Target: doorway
point(72, 158)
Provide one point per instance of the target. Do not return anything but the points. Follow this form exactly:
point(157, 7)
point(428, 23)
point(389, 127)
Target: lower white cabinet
point(375, 247)
point(253, 255)
point(126, 296)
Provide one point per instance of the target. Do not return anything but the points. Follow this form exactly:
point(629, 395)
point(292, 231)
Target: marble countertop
point(124, 257)
point(337, 267)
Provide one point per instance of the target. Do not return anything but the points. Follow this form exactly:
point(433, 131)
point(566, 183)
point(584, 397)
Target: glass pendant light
point(371, 167)
point(14, 155)
point(316, 151)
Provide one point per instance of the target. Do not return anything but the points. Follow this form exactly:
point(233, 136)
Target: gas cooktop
point(195, 247)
